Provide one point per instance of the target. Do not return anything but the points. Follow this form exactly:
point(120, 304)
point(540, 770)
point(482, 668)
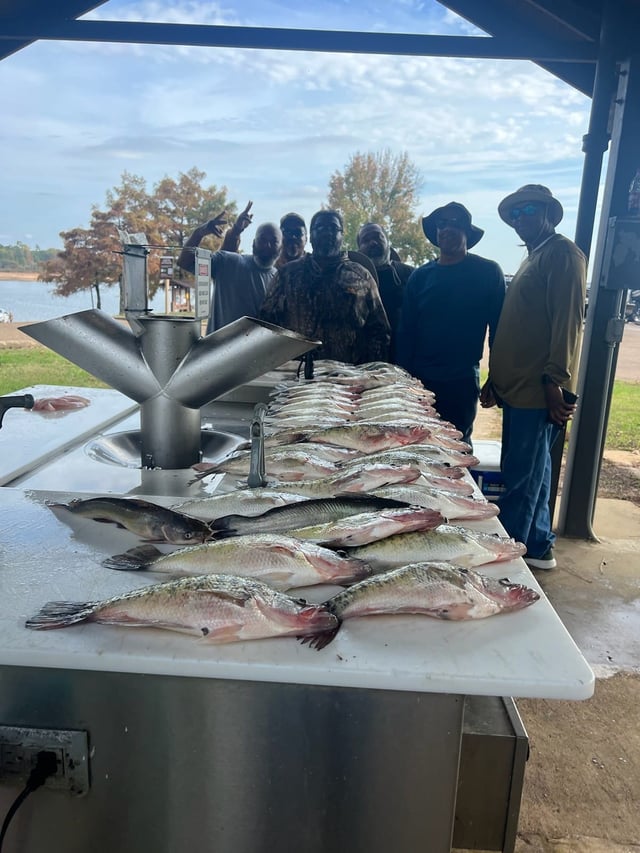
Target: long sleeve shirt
point(446, 312)
point(338, 304)
point(540, 328)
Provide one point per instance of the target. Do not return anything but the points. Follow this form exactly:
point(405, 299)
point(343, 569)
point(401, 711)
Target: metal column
point(605, 320)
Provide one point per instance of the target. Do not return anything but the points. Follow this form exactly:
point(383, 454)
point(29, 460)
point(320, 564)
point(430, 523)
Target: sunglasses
point(450, 223)
point(293, 232)
point(525, 210)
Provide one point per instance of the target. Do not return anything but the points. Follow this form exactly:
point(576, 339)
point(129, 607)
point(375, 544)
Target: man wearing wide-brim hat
point(534, 357)
point(448, 305)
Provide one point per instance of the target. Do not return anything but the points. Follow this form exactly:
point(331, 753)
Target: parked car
point(5, 316)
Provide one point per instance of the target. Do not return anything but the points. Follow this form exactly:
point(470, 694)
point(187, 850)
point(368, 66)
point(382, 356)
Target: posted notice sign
point(203, 283)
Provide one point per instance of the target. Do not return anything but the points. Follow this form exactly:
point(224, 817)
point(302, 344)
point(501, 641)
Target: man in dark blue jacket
point(448, 306)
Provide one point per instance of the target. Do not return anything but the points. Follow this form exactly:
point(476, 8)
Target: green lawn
point(21, 368)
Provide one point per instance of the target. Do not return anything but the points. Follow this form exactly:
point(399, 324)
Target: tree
point(92, 257)
point(89, 259)
point(383, 188)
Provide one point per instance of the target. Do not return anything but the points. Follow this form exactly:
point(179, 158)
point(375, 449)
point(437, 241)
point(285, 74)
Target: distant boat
point(5, 316)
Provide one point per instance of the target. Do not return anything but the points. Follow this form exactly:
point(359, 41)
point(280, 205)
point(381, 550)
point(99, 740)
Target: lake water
point(31, 301)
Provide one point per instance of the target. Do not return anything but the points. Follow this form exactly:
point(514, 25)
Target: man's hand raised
point(216, 225)
point(244, 219)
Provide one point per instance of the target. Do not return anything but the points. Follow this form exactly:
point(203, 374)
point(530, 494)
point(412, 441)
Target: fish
point(411, 453)
point(245, 502)
point(60, 404)
point(368, 527)
point(281, 519)
point(147, 520)
point(284, 464)
point(358, 478)
point(281, 561)
point(370, 437)
point(437, 589)
point(445, 456)
point(219, 608)
point(452, 506)
point(445, 543)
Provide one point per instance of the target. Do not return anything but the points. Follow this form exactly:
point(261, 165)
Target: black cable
point(46, 765)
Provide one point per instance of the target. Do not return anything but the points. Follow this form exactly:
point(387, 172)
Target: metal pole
point(604, 319)
point(594, 144)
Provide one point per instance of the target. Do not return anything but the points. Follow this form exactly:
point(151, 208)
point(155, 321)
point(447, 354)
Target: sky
point(273, 126)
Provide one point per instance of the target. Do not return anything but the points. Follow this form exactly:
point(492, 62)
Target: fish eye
point(504, 582)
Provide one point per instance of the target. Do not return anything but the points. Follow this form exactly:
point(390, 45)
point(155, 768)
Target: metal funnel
point(169, 369)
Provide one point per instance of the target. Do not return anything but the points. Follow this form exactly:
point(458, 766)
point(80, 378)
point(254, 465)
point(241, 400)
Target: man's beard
point(381, 260)
point(265, 263)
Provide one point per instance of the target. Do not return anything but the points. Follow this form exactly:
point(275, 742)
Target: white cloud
point(274, 125)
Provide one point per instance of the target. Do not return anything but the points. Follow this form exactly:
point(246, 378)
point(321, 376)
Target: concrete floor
point(596, 588)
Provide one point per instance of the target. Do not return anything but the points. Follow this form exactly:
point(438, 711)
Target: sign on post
point(203, 283)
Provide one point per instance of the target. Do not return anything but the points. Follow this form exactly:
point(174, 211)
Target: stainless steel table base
point(183, 764)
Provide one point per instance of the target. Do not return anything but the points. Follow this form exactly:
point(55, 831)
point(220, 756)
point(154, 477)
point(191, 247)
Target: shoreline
point(7, 275)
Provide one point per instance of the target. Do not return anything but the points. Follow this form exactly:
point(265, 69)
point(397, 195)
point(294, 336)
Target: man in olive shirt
point(534, 356)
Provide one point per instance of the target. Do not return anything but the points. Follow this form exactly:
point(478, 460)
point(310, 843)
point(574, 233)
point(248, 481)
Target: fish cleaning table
point(249, 747)
point(255, 746)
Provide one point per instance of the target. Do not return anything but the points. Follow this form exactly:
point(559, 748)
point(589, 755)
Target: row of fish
point(225, 608)
point(355, 502)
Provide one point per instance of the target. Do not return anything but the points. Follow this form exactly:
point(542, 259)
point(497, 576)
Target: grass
point(24, 367)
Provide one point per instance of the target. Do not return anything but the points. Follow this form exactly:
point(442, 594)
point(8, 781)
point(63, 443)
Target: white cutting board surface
point(42, 558)
point(28, 438)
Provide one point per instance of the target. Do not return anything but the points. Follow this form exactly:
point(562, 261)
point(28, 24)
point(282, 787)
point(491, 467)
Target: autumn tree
point(383, 188)
point(88, 261)
point(166, 216)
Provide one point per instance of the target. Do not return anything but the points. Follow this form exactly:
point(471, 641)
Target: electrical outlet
point(19, 748)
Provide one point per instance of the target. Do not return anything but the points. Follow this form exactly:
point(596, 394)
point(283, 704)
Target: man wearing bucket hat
point(533, 359)
point(448, 305)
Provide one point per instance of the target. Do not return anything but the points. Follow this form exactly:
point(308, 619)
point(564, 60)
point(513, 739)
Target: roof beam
point(406, 44)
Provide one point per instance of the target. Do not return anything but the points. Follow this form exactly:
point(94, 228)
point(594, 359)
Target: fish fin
point(59, 614)
point(224, 634)
point(319, 641)
point(135, 560)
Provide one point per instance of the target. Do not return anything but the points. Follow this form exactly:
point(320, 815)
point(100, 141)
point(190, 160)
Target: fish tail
point(59, 614)
point(319, 641)
point(135, 560)
point(319, 637)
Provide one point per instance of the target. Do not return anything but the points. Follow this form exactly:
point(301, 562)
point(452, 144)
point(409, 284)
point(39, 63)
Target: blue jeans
point(527, 438)
point(456, 401)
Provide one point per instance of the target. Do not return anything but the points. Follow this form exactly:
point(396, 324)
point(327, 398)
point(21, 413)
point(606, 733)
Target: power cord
point(46, 765)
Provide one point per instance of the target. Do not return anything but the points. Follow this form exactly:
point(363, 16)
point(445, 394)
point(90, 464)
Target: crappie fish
point(411, 453)
point(446, 484)
point(435, 589)
point(281, 465)
point(145, 519)
point(368, 527)
point(220, 608)
point(358, 478)
point(443, 455)
point(281, 561)
point(370, 437)
point(453, 507)
point(446, 543)
point(425, 478)
point(281, 519)
point(245, 502)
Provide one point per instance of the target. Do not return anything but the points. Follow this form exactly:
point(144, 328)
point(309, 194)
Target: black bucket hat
point(430, 228)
